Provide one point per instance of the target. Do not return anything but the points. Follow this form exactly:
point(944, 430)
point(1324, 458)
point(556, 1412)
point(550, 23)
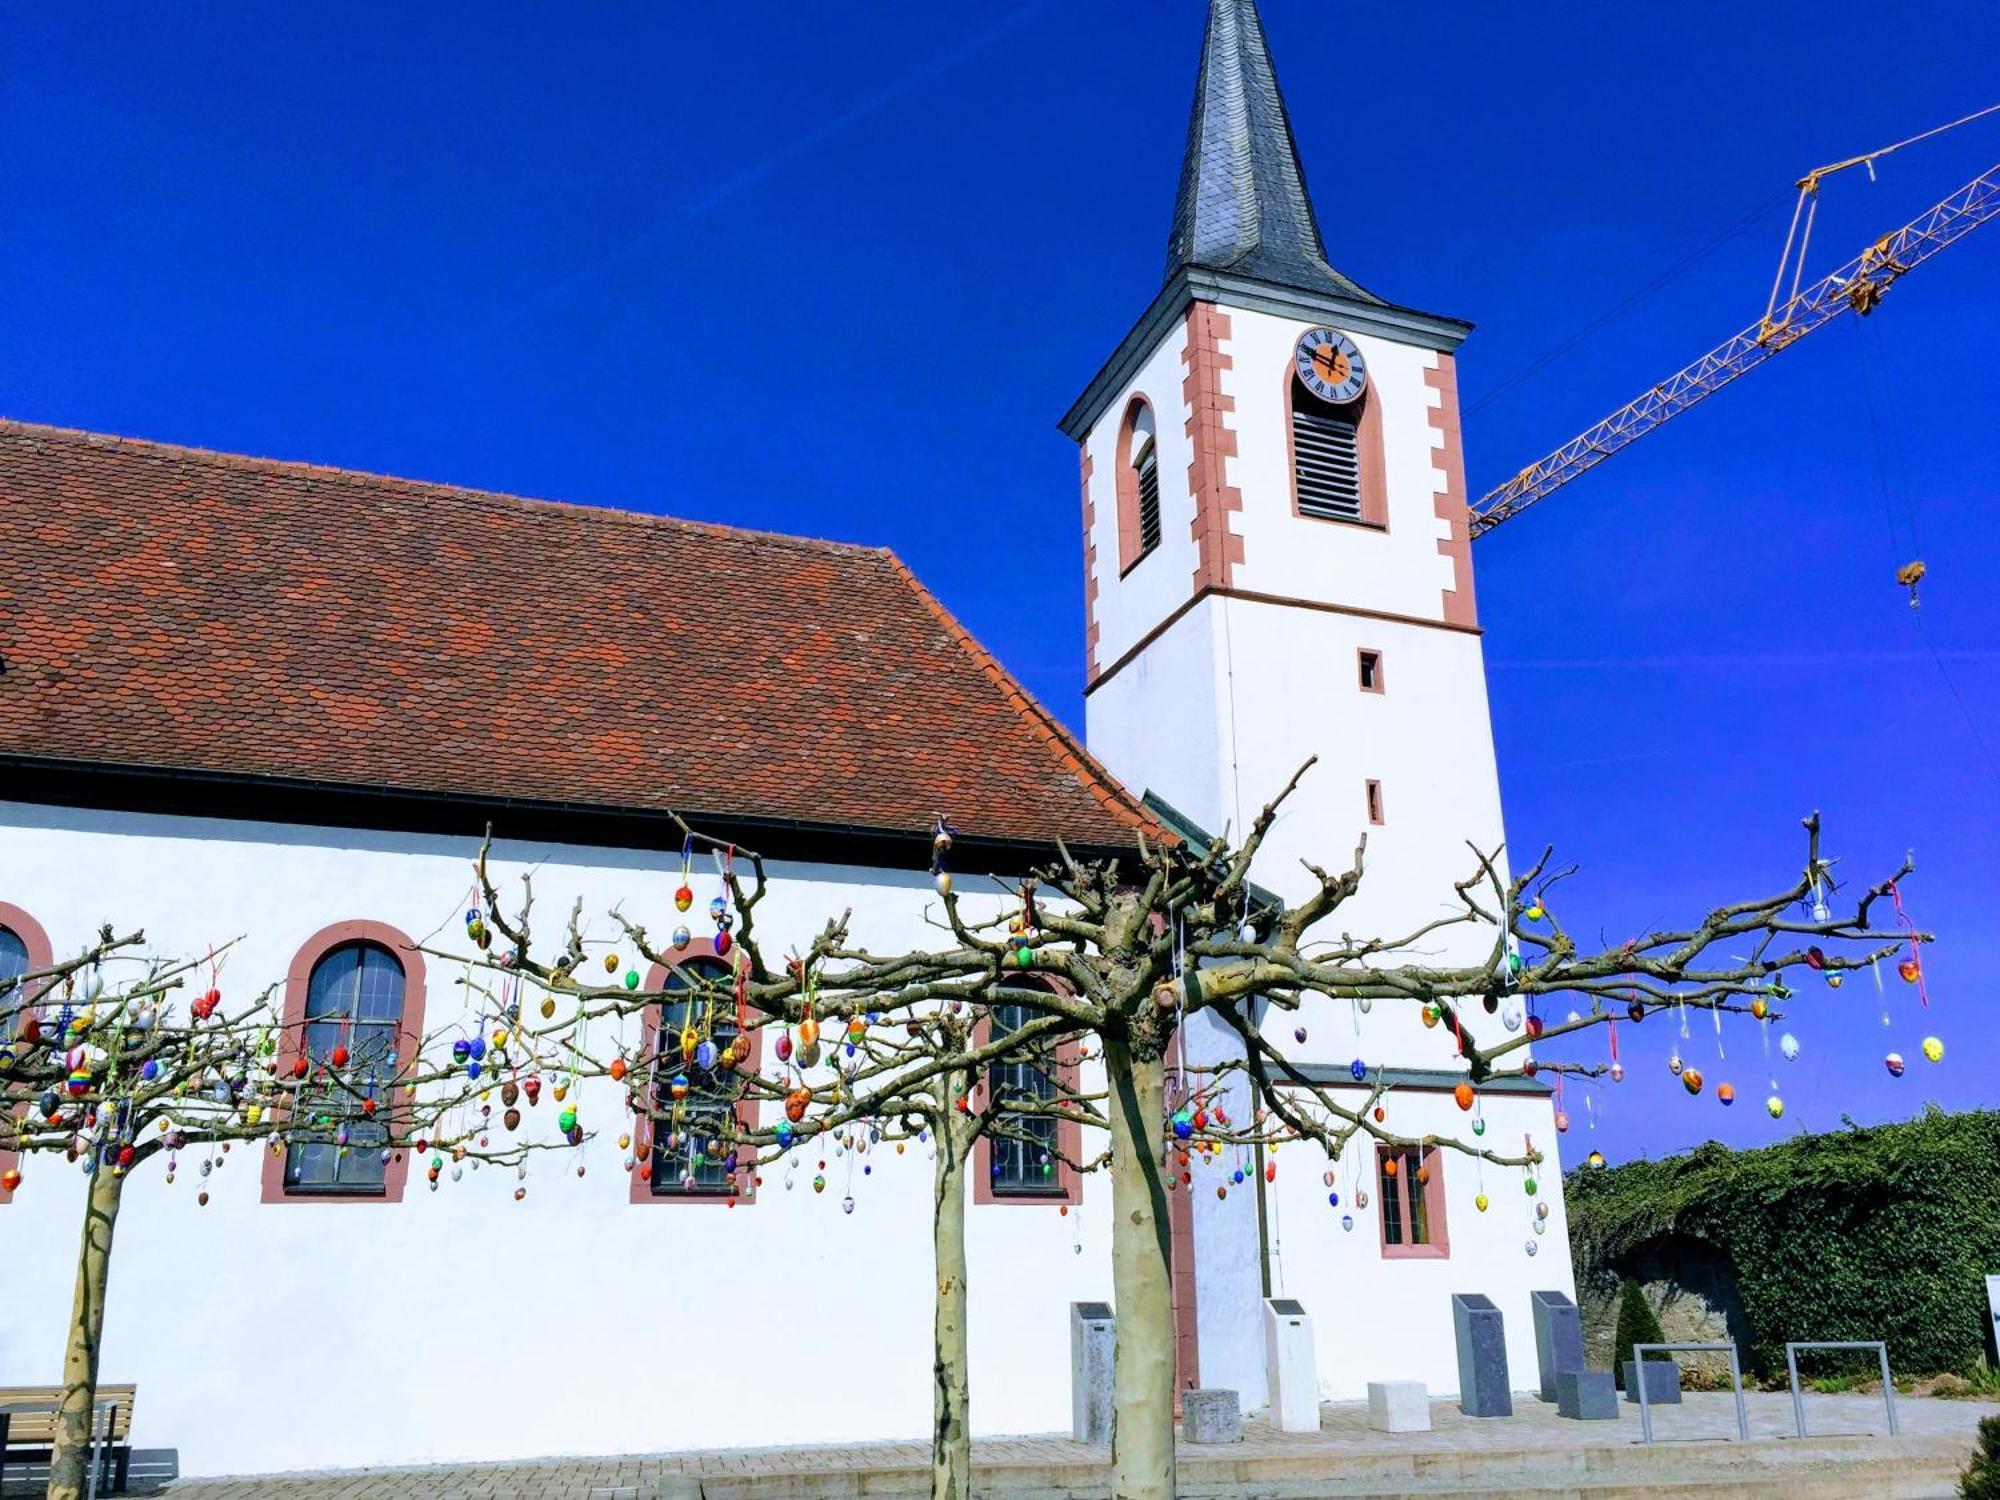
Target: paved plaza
point(1533, 1452)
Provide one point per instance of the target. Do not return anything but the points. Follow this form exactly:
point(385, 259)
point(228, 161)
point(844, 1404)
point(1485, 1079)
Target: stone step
point(1812, 1469)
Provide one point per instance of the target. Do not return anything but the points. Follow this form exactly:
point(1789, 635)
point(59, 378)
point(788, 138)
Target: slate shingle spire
point(1243, 205)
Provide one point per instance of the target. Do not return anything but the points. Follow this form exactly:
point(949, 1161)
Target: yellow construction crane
point(1856, 286)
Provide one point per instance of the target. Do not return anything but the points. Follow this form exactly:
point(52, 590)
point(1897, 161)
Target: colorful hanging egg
point(683, 897)
point(1894, 1063)
point(1358, 1070)
point(1463, 1095)
point(1910, 970)
point(1481, 1203)
point(1789, 1046)
point(566, 1121)
point(1691, 1080)
point(1347, 1222)
point(1760, 1007)
point(1562, 1120)
point(1725, 1093)
point(1299, 1036)
point(1774, 1107)
point(1933, 1049)
point(784, 1048)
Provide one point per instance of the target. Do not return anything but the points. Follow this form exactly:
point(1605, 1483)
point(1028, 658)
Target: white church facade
point(242, 697)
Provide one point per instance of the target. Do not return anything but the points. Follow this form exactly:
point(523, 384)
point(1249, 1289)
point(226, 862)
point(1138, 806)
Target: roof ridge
point(416, 489)
point(1111, 793)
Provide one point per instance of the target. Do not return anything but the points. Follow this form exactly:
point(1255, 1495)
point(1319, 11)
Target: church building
point(241, 697)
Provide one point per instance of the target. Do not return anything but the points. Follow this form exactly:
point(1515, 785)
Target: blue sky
point(837, 270)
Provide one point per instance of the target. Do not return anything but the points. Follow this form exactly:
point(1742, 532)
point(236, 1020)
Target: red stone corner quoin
point(291, 1042)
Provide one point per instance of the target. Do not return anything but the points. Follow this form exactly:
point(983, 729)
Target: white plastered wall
point(461, 1324)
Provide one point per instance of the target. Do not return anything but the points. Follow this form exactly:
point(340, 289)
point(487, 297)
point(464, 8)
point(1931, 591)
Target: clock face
point(1330, 366)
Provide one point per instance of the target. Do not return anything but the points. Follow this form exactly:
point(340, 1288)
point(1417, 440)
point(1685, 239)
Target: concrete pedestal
point(1558, 1338)
point(1399, 1406)
point(1662, 1377)
point(1587, 1395)
point(1482, 1357)
point(1211, 1417)
point(1291, 1366)
point(1092, 1342)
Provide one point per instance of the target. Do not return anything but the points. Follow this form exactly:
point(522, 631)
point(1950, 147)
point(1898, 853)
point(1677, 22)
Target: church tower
point(1277, 567)
point(1276, 555)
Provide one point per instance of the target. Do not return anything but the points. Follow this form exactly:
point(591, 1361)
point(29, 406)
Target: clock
point(1330, 366)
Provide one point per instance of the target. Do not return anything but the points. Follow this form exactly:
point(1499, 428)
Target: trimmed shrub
point(1637, 1324)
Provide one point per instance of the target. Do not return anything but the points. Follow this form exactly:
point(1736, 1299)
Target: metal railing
point(1639, 1353)
point(1798, 1398)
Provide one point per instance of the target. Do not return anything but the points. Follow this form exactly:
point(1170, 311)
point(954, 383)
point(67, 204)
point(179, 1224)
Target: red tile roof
point(171, 607)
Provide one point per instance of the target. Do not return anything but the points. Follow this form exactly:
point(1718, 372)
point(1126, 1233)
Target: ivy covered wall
point(1879, 1232)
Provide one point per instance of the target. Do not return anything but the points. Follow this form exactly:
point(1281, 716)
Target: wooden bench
point(28, 1430)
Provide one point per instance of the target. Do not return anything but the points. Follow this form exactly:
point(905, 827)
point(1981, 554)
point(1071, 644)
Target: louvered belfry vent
point(1149, 500)
point(1329, 465)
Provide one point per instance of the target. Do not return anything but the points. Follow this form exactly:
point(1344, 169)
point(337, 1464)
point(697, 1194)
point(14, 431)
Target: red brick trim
point(291, 1043)
point(1218, 548)
point(1439, 1247)
point(1126, 481)
point(1090, 633)
point(1254, 597)
point(1448, 448)
point(1381, 673)
point(41, 955)
point(746, 1109)
point(1069, 1133)
point(1368, 450)
point(1187, 1322)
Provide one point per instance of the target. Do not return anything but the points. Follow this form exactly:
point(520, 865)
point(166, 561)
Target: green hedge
point(1883, 1232)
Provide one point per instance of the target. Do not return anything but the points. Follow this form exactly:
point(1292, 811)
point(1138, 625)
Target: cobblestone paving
point(1344, 1439)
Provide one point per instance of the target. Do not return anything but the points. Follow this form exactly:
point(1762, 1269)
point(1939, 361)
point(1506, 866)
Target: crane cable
point(1883, 447)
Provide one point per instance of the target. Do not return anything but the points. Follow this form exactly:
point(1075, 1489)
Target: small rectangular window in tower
point(1375, 802)
point(1411, 1183)
point(1371, 671)
point(1149, 499)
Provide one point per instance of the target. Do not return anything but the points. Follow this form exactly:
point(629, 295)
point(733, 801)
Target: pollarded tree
point(866, 1065)
point(103, 1064)
point(1126, 950)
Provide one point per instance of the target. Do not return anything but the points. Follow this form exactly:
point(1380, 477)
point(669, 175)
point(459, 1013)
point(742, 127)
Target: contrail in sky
point(662, 229)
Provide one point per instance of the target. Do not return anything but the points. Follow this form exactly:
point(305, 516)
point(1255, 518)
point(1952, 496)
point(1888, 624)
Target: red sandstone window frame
point(1125, 475)
point(41, 955)
point(291, 1043)
point(1367, 451)
point(1069, 1131)
point(1373, 796)
point(1370, 669)
point(746, 1108)
point(1437, 1243)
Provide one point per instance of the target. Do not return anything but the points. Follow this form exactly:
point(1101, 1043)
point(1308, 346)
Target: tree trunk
point(951, 1434)
point(69, 1468)
point(1142, 1385)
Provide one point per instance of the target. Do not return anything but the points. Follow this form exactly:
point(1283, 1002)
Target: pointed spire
point(1243, 205)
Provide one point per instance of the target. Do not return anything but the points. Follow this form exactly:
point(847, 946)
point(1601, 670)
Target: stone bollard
point(1211, 1417)
point(1399, 1406)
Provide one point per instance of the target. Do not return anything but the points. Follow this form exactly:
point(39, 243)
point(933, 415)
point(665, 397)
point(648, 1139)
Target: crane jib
point(1856, 287)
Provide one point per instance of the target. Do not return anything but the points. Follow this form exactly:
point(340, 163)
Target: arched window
point(1138, 484)
point(687, 1155)
point(13, 964)
point(24, 949)
point(1336, 457)
point(1026, 1156)
point(354, 1003)
point(688, 1146)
